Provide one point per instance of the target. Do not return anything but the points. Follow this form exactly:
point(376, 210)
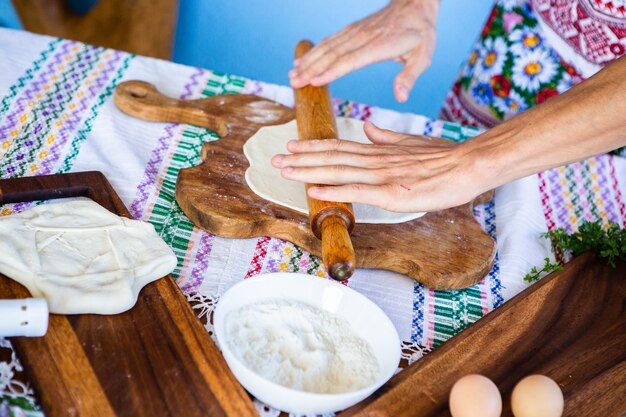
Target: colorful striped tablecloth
point(57, 115)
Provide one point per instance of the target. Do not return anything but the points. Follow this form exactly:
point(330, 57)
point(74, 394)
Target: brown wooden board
point(571, 327)
point(444, 250)
point(153, 360)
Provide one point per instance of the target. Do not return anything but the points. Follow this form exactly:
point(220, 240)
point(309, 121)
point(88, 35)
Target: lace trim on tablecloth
point(16, 397)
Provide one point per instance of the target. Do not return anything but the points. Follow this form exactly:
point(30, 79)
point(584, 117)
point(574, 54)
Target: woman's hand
point(403, 31)
point(416, 173)
point(397, 172)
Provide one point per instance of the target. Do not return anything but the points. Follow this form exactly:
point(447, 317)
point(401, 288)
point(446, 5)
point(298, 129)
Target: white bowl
point(367, 320)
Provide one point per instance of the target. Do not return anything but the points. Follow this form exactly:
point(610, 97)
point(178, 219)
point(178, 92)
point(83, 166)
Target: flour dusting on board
point(263, 111)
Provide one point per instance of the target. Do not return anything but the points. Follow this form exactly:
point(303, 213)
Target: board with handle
point(444, 250)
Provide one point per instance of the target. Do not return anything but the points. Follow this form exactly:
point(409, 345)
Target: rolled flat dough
point(266, 181)
point(81, 257)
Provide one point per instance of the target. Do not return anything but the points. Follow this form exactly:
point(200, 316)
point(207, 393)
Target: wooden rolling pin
point(331, 222)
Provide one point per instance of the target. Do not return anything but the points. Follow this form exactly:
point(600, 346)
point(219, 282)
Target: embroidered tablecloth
point(57, 115)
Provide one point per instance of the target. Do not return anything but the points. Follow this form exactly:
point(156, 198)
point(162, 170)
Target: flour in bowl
point(301, 347)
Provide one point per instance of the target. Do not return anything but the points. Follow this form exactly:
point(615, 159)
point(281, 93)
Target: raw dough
point(266, 181)
point(81, 257)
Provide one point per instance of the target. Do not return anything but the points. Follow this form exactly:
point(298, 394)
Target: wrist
point(489, 160)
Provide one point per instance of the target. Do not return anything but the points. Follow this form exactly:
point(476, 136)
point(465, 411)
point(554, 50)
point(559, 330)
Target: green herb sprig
point(548, 267)
point(609, 243)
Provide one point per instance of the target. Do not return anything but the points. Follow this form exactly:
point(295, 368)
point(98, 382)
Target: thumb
point(417, 63)
point(382, 136)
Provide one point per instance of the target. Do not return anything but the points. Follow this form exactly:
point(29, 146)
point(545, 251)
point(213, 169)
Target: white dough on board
point(267, 183)
point(81, 257)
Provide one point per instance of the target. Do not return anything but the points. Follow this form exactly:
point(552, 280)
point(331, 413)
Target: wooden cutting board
point(444, 250)
point(571, 326)
point(153, 360)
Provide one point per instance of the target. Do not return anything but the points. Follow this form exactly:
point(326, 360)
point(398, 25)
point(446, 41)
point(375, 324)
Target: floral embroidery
point(532, 70)
point(525, 40)
point(511, 20)
point(482, 93)
point(493, 55)
point(545, 94)
point(500, 85)
point(510, 105)
point(508, 5)
point(565, 84)
point(511, 68)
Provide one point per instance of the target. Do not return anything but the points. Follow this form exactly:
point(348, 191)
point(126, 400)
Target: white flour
point(302, 347)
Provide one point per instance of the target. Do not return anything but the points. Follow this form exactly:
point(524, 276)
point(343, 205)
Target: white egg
point(475, 396)
point(537, 396)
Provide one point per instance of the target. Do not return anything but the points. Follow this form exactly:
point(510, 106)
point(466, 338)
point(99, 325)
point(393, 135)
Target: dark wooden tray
point(571, 326)
point(153, 360)
point(158, 360)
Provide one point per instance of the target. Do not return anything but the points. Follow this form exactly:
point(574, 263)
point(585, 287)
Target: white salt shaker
point(23, 317)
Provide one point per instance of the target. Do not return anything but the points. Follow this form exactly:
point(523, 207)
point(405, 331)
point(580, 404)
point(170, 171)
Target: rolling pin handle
point(337, 250)
point(341, 271)
point(303, 47)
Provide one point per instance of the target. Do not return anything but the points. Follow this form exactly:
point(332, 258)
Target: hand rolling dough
point(266, 181)
point(81, 257)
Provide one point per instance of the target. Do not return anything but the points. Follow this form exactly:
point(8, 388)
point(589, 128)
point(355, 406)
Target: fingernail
point(277, 160)
point(317, 81)
point(315, 192)
point(403, 93)
point(292, 145)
